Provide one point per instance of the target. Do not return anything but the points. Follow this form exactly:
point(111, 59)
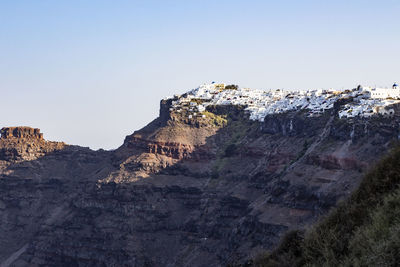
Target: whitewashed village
point(366, 101)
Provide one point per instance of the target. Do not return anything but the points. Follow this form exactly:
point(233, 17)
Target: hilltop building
point(383, 93)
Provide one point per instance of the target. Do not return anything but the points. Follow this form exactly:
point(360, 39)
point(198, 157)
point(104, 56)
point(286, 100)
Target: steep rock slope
point(361, 231)
point(184, 192)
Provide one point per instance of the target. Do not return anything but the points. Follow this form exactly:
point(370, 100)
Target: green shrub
point(378, 243)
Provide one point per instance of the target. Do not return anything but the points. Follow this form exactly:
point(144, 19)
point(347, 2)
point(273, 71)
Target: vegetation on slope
point(214, 119)
point(364, 230)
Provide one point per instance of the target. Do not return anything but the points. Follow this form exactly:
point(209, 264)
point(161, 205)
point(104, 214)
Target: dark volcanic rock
point(177, 193)
point(293, 124)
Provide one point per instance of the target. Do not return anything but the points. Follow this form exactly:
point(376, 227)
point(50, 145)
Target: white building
point(201, 108)
point(383, 93)
point(366, 101)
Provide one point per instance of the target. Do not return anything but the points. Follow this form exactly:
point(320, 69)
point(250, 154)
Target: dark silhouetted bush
point(232, 87)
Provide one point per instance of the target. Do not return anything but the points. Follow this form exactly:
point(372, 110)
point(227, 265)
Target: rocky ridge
point(182, 191)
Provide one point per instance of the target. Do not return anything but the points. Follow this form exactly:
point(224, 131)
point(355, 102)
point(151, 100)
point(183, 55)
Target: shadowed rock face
point(179, 193)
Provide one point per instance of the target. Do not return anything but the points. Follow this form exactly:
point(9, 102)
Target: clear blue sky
point(92, 72)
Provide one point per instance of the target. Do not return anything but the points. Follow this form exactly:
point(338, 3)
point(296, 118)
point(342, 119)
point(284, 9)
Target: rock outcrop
point(178, 193)
point(21, 132)
point(25, 143)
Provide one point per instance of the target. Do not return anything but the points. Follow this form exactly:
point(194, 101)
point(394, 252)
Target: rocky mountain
point(207, 190)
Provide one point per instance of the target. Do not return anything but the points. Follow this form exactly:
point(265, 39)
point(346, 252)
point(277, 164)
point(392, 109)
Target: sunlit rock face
point(25, 143)
point(202, 191)
point(21, 132)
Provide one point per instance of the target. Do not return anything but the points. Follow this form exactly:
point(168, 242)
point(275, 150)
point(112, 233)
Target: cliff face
point(20, 132)
point(24, 143)
point(202, 191)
